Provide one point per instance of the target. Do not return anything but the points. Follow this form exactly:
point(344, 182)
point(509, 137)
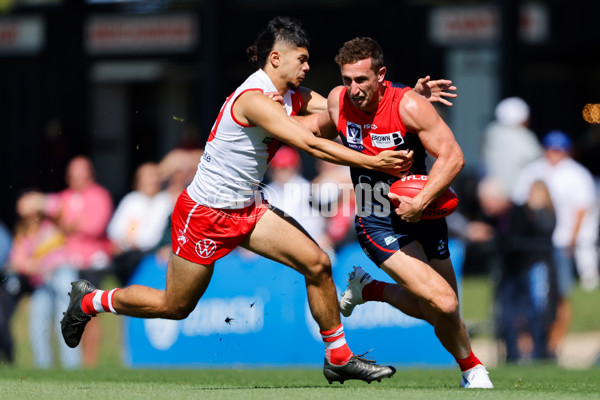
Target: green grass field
point(531, 382)
point(111, 380)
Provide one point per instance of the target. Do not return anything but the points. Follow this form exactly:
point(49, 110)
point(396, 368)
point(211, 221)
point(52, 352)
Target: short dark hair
point(280, 29)
point(360, 48)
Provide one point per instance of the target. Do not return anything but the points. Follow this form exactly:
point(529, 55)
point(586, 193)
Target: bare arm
point(437, 138)
point(313, 112)
point(322, 123)
point(255, 108)
point(313, 102)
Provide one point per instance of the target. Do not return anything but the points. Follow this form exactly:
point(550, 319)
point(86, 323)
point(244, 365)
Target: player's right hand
point(394, 162)
point(408, 208)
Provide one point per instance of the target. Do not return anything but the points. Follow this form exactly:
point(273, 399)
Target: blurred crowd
point(528, 217)
point(79, 233)
point(534, 228)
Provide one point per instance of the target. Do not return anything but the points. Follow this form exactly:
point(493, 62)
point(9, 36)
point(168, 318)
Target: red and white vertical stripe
point(103, 301)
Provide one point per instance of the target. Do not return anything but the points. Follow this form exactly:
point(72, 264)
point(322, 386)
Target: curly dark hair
point(280, 29)
point(360, 48)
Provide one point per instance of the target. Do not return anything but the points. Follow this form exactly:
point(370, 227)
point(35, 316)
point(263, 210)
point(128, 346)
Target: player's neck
point(280, 83)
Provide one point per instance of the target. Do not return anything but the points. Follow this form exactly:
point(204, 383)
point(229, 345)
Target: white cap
point(512, 111)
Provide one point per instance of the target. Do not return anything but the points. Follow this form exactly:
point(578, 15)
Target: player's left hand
point(408, 209)
point(436, 91)
point(394, 162)
point(275, 96)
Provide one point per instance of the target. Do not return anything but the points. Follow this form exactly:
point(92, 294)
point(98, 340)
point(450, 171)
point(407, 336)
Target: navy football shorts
point(382, 237)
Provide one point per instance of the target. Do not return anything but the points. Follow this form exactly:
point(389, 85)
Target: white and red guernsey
point(237, 155)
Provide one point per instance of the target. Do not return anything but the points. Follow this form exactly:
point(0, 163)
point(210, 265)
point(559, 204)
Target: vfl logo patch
point(206, 248)
point(386, 140)
point(354, 136)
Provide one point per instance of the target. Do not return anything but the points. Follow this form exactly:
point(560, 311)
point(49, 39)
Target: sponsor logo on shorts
point(386, 140)
point(205, 248)
point(442, 246)
point(391, 239)
point(354, 136)
point(181, 239)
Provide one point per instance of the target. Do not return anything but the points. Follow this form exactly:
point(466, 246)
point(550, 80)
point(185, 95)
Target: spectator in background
point(177, 169)
point(289, 191)
point(7, 301)
point(508, 143)
point(139, 221)
point(39, 256)
point(526, 292)
point(575, 236)
point(518, 247)
point(479, 231)
point(82, 211)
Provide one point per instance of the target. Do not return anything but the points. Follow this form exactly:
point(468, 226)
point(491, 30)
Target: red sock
point(337, 351)
point(374, 291)
point(468, 363)
point(98, 301)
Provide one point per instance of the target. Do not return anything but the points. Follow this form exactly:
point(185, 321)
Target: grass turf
point(512, 382)
point(111, 380)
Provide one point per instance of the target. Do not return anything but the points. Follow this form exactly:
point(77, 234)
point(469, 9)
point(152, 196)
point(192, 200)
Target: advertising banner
point(255, 313)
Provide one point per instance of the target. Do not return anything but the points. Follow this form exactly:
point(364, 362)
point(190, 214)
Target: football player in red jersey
point(371, 114)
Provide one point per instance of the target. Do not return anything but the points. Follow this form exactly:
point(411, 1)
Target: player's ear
point(275, 58)
point(381, 74)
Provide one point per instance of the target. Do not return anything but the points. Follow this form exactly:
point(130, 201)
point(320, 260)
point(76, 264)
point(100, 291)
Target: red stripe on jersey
point(297, 102)
point(104, 301)
point(372, 241)
point(233, 116)
point(272, 148)
point(213, 131)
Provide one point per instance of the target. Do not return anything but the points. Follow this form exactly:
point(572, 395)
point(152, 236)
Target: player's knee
point(448, 305)
point(320, 267)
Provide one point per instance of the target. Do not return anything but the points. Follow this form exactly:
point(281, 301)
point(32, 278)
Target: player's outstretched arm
point(255, 108)
point(321, 122)
point(312, 102)
point(436, 91)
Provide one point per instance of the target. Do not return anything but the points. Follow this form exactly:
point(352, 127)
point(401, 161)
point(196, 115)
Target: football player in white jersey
point(220, 210)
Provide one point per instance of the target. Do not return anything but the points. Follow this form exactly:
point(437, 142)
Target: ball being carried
point(411, 185)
